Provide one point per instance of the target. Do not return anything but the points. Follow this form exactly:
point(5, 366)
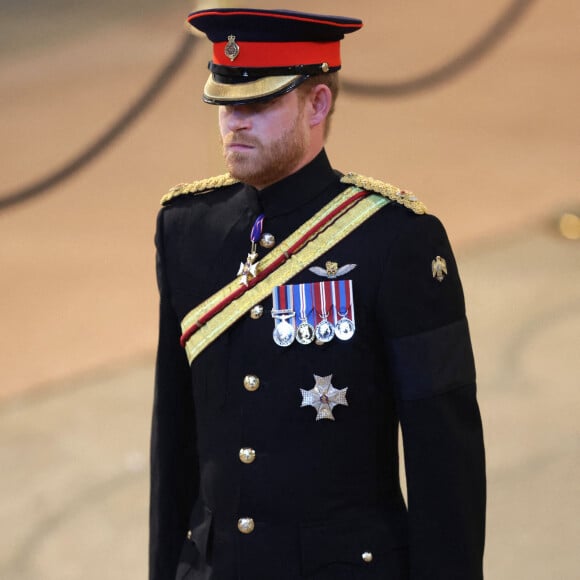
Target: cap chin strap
point(232, 74)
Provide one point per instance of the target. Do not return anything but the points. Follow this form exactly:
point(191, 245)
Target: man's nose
point(238, 118)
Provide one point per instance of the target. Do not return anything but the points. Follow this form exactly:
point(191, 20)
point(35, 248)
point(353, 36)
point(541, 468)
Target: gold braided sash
point(200, 335)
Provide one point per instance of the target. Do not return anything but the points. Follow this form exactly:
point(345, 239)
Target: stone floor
point(75, 476)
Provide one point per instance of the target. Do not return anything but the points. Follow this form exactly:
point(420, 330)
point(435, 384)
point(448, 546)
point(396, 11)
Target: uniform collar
point(299, 188)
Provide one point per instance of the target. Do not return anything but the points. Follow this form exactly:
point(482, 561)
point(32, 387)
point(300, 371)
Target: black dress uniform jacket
point(320, 493)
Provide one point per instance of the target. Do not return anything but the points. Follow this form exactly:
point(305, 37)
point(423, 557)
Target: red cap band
point(278, 54)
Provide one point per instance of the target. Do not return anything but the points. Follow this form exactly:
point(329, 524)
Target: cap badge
point(331, 270)
point(439, 268)
point(324, 397)
point(232, 49)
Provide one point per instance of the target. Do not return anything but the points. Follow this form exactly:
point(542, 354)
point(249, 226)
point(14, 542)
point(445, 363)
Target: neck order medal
point(249, 268)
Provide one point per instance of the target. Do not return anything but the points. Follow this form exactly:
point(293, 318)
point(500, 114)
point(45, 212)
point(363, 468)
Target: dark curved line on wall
point(452, 68)
point(117, 128)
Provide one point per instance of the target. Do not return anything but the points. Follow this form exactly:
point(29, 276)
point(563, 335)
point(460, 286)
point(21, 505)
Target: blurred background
point(471, 105)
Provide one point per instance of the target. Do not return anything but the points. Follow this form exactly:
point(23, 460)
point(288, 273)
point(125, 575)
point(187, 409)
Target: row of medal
point(315, 312)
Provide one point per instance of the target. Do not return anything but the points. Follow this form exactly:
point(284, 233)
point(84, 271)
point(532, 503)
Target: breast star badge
point(324, 397)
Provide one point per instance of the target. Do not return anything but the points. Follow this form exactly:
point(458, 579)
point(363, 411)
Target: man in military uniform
point(305, 315)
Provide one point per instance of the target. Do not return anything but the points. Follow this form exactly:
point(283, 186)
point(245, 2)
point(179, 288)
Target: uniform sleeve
point(174, 471)
point(431, 366)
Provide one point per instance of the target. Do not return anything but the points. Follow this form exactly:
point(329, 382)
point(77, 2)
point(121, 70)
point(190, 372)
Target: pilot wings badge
point(332, 270)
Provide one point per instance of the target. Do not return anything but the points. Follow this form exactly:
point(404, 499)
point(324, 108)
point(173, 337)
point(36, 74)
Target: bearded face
point(264, 142)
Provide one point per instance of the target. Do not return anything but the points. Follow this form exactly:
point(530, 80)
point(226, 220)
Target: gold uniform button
point(247, 455)
point(189, 534)
point(256, 312)
point(246, 525)
point(367, 557)
point(251, 383)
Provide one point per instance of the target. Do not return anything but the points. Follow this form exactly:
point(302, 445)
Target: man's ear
point(320, 99)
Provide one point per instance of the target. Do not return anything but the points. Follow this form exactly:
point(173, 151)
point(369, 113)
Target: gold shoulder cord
point(197, 187)
point(406, 198)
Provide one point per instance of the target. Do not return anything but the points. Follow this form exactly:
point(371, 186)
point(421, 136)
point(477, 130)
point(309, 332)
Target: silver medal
point(284, 333)
point(305, 333)
point(324, 331)
point(344, 329)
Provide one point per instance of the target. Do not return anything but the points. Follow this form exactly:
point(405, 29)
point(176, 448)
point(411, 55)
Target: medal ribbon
point(305, 298)
point(310, 292)
point(317, 294)
point(343, 288)
point(323, 302)
point(282, 300)
point(334, 303)
point(256, 232)
point(327, 299)
point(300, 306)
point(276, 299)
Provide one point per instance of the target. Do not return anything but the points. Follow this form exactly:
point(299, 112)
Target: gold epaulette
point(197, 187)
point(393, 193)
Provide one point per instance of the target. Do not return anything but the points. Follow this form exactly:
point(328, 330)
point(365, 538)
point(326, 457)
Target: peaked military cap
point(260, 54)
